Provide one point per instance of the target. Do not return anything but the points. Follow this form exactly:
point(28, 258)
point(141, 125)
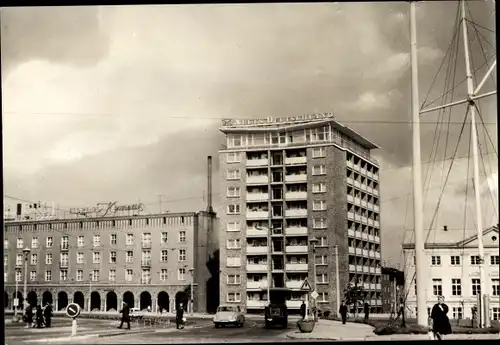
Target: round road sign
point(73, 310)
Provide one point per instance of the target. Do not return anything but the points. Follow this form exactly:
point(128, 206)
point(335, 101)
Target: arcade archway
point(128, 297)
point(62, 300)
point(46, 298)
point(145, 300)
point(111, 301)
point(163, 301)
point(32, 299)
point(95, 301)
point(79, 299)
point(181, 297)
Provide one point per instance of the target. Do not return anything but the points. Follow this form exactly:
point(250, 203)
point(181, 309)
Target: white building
point(452, 256)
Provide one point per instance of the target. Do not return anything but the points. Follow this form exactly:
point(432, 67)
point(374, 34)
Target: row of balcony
point(363, 236)
point(291, 284)
point(362, 186)
point(359, 202)
point(364, 252)
point(256, 268)
point(288, 249)
point(296, 212)
point(265, 196)
point(361, 170)
point(252, 303)
point(265, 161)
point(295, 230)
point(364, 269)
point(363, 219)
point(65, 264)
point(264, 178)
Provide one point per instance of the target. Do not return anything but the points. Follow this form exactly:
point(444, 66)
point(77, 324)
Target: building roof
point(446, 239)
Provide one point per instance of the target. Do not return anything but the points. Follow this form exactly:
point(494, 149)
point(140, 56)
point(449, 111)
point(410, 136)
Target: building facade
point(392, 289)
point(454, 272)
point(286, 181)
point(144, 260)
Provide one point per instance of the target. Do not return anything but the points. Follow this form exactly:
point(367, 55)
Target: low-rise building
point(393, 281)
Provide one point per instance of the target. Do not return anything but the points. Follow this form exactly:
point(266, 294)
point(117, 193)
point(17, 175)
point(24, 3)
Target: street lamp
point(313, 242)
point(26, 252)
point(191, 270)
point(269, 263)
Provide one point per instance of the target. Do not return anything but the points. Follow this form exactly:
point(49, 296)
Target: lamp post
point(269, 263)
point(313, 242)
point(191, 270)
point(14, 318)
point(26, 252)
point(90, 291)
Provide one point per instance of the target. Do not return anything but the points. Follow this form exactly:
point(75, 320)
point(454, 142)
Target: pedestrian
point(440, 324)
point(303, 310)
point(366, 308)
point(343, 312)
point(39, 317)
point(179, 316)
point(29, 316)
point(125, 315)
point(47, 313)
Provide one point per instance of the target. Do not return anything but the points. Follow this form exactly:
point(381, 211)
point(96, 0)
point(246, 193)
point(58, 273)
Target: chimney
point(445, 227)
point(19, 209)
point(209, 186)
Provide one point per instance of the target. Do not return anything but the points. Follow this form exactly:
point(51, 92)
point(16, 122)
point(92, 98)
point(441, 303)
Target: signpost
point(73, 310)
point(306, 286)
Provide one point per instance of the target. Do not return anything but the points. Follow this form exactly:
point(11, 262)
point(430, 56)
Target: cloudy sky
point(124, 103)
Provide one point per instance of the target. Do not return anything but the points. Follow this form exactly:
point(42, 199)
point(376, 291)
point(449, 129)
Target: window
point(457, 313)
point(112, 275)
point(20, 243)
point(435, 260)
point(79, 275)
point(146, 276)
point(181, 274)
point(474, 260)
point(19, 259)
point(6, 260)
point(63, 275)
point(19, 275)
point(233, 209)
point(34, 242)
point(49, 242)
point(455, 260)
point(322, 242)
point(96, 240)
point(319, 169)
point(112, 257)
point(495, 260)
point(48, 276)
point(318, 152)
point(130, 240)
point(495, 314)
point(146, 239)
point(129, 256)
point(319, 223)
point(322, 278)
point(80, 258)
point(146, 257)
point(233, 261)
point(34, 259)
point(319, 187)
point(233, 192)
point(48, 259)
point(182, 236)
point(235, 140)
point(233, 244)
point(163, 274)
point(495, 286)
point(164, 256)
point(96, 257)
point(112, 239)
point(437, 287)
point(80, 241)
point(233, 297)
point(323, 297)
point(64, 242)
point(319, 205)
point(233, 157)
point(456, 287)
point(233, 226)
point(321, 260)
point(476, 287)
point(234, 279)
point(182, 254)
point(233, 174)
point(64, 259)
point(33, 275)
point(129, 274)
point(5, 244)
point(164, 237)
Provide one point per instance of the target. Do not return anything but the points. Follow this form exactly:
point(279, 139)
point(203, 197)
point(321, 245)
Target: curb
point(108, 335)
point(50, 340)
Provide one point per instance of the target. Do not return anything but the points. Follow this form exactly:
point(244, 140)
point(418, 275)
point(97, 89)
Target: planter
point(306, 326)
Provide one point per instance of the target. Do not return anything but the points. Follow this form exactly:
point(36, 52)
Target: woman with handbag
point(440, 324)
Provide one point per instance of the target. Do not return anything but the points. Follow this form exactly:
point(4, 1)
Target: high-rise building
point(286, 181)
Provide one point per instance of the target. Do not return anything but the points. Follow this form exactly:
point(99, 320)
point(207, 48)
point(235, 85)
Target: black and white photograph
point(184, 173)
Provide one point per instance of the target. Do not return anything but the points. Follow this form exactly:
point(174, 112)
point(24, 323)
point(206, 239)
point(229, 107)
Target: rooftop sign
point(275, 120)
point(103, 209)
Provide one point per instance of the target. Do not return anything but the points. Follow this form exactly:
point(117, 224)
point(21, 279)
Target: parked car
point(135, 313)
point(276, 314)
point(229, 315)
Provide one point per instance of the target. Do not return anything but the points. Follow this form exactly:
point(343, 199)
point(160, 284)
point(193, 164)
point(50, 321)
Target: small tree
point(353, 294)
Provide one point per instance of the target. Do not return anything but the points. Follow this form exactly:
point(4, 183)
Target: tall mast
point(420, 259)
point(477, 183)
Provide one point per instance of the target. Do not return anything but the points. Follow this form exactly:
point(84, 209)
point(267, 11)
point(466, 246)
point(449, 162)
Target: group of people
point(37, 316)
point(179, 319)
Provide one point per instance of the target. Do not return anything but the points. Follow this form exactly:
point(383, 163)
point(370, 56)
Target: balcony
point(378, 286)
point(369, 189)
point(293, 304)
point(376, 208)
point(256, 267)
point(366, 269)
point(377, 270)
point(146, 244)
point(364, 219)
point(350, 215)
point(296, 178)
point(146, 263)
point(296, 195)
point(375, 176)
point(257, 285)
point(257, 196)
point(294, 284)
point(357, 184)
point(257, 214)
point(297, 267)
point(350, 199)
point(296, 230)
point(377, 255)
point(375, 192)
point(257, 249)
point(256, 303)
point(258, 179)
point(369, 174)
point(376, 239)
point(351, 232)
point(366, 286)
point(303, 249)
point(357, 201)
point(253, 232)
point(296, 212)
point(349, 164)
point(376, 223)
point(362, 171)
point(364, 204)
point(352, 250)
point(350, 181)
point(352, 268)
point(257, 162)
point(295, 160)
point(370, 222)
point(365, 252)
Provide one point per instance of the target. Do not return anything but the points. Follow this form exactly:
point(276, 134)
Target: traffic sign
point(73, 310)
point(306, 286)
point(314, 294)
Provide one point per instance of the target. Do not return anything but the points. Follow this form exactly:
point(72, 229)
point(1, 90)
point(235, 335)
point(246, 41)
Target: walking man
point(343, 312)
point(125, 315)
point(366, 308)
point(440, 324)
point(39, 317)
point(47, 313)
point(29, 316)
point(179, 316)
point(303, 310)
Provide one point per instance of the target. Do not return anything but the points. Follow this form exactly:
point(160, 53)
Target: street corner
point(297, 335)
